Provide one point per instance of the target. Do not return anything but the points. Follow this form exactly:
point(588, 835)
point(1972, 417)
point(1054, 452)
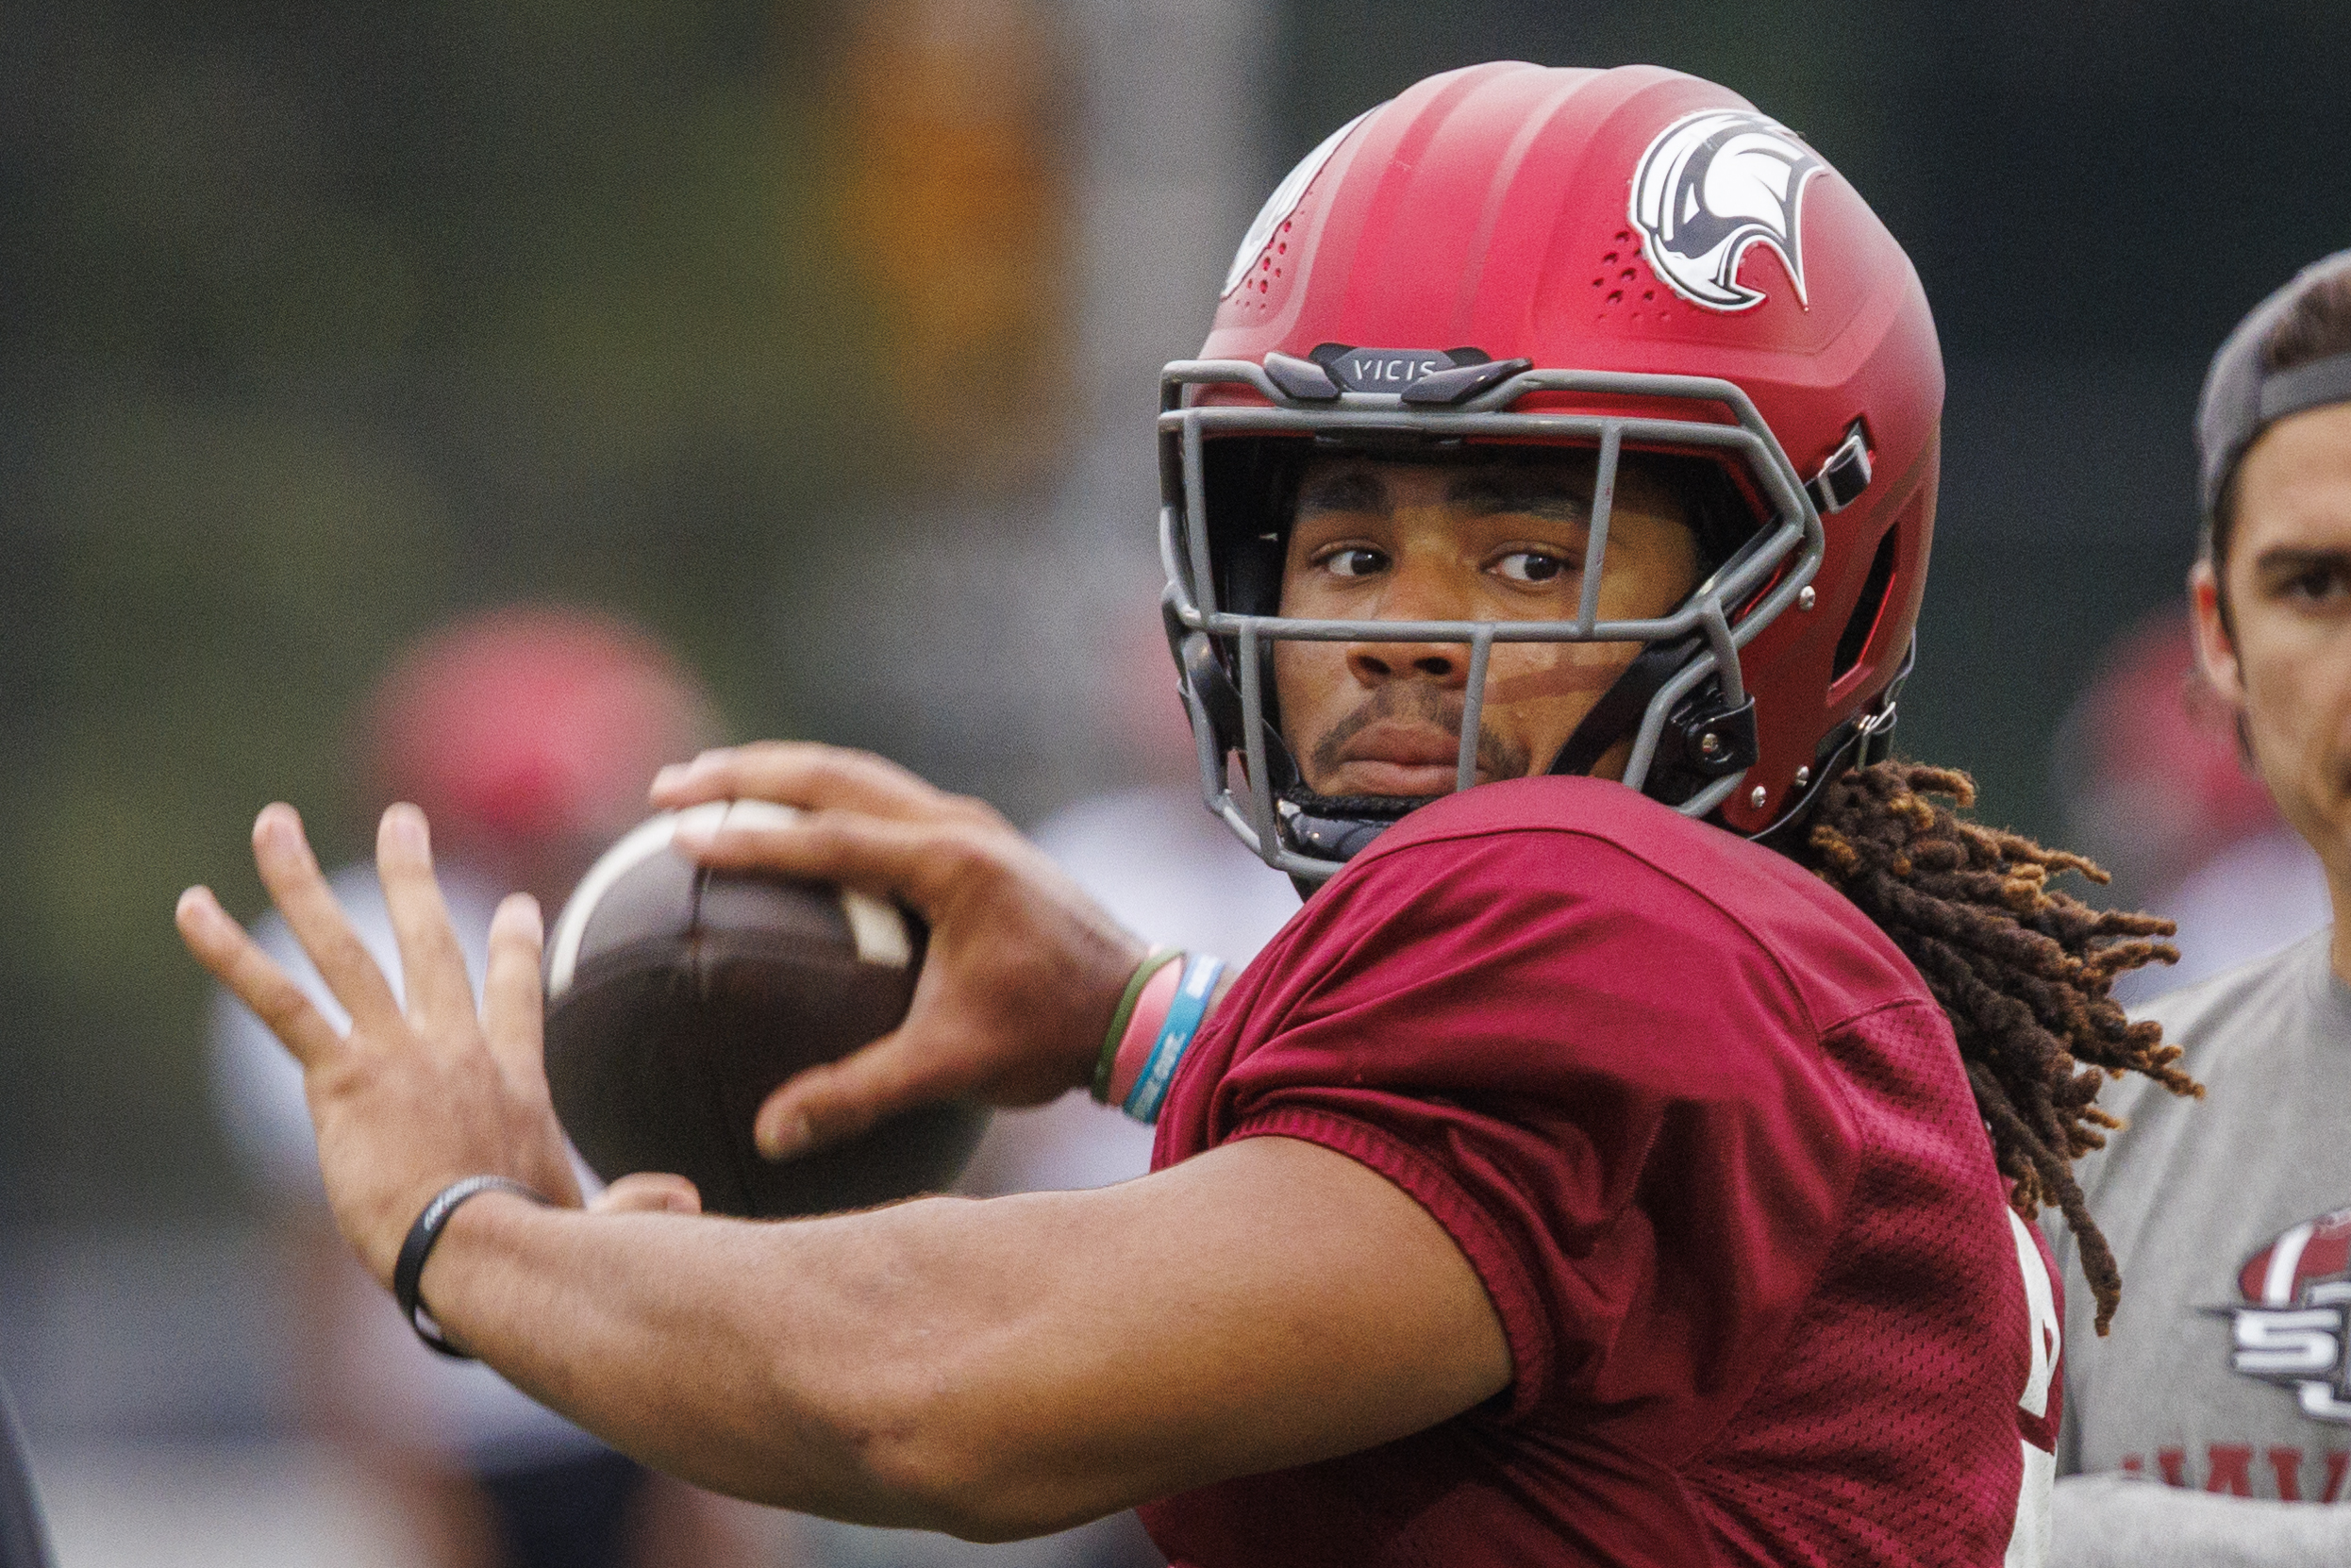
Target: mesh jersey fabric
point(1707, 1141)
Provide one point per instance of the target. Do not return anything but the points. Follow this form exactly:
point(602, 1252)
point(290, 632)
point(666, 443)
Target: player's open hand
point(1023, 971)
point(413, 1099)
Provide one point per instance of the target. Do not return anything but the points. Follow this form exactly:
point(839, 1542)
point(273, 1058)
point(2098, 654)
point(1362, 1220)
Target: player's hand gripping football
point(409, 1100)
point(1023, 971)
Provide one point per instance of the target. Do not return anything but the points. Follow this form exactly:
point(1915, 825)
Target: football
point(678, 998)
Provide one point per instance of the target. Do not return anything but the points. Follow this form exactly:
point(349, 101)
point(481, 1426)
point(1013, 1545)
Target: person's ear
point(2216, 650)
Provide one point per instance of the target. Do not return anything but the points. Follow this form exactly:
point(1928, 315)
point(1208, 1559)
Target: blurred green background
point(320, 324)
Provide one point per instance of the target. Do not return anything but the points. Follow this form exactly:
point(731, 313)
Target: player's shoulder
point(1642, 870)
point(1594, 810)
point(1608, 843)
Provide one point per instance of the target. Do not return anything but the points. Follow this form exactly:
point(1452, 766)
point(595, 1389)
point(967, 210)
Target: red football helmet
point(1631, 260)
point(528, 729)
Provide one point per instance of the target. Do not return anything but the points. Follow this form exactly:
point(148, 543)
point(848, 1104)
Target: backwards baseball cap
point(2245, 396)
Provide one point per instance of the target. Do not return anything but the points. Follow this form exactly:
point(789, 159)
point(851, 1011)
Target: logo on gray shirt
point(2294, 1331)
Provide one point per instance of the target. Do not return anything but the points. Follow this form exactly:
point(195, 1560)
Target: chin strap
point(1341, 827)
point(1865, 739)
point(1617, 714)
point(1703, 739)
point(1206, 678)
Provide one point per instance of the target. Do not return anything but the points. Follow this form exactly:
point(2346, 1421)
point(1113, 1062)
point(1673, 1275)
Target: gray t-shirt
point(2225, 1374)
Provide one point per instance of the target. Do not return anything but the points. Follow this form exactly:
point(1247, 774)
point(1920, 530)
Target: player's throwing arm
point(997, 1369)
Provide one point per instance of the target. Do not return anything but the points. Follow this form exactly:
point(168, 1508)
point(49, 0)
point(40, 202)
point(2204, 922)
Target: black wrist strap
point(422, 1237)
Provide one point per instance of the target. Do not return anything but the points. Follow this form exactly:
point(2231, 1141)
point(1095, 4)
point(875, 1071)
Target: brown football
point(678, 998)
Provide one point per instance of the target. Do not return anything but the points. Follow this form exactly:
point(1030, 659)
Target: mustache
point(1498, 757)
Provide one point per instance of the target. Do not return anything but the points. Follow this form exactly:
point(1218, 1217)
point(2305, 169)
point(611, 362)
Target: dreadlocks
point(2021, 970)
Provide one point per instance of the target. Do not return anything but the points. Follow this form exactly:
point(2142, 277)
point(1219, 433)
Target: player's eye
point(2317, 585)
point(1533, 566)
point(1353, 560)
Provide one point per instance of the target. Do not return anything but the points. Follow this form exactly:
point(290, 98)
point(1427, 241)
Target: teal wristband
point(1184, 1017)
point(1161, 958)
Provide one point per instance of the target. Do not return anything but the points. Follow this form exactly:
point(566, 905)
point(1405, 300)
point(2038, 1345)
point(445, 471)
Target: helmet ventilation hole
point(1855, 640)
point(1620, 275)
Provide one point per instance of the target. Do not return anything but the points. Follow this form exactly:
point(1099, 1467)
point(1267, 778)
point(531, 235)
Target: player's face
point(2288, 667)
point(1503, 541)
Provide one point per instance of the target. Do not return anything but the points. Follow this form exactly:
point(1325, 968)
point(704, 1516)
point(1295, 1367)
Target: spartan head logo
point(1712, 184)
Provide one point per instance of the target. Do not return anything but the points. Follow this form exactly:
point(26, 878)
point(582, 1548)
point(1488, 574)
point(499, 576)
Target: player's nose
point(1447, 664)
point(1416, 591)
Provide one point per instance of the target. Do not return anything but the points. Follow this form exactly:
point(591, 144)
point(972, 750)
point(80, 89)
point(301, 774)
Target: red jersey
point(1706, 1139)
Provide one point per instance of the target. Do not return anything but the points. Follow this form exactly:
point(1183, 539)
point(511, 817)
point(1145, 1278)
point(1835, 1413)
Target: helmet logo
point(1711, 185)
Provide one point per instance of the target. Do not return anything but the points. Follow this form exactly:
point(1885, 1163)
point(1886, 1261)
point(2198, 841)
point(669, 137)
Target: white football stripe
point(878, 929)
point(875, 925)
point(641, 843)
point(1283, 202)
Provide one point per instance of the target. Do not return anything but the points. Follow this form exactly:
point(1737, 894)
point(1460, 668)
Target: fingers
point(514, 1002)
point(290, 873)
point(514, 1026)
point(222, 946)
point(813, 777)
point(919, 861)
point(432, 965)
point(840, 1099)
point(649, 1192)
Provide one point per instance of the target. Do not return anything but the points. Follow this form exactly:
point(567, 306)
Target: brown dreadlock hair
point(2021, 970)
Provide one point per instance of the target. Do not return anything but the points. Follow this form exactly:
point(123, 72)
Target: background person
point(2225, 1377)
point(530, 734)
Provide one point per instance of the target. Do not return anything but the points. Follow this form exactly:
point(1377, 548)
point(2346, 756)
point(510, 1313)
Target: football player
point(1619, 1158)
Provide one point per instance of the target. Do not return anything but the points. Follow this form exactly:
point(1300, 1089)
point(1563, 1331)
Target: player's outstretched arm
point(1023, 970)
point(995, 1368)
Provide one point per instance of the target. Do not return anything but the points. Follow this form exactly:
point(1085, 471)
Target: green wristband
point(1161, 958)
